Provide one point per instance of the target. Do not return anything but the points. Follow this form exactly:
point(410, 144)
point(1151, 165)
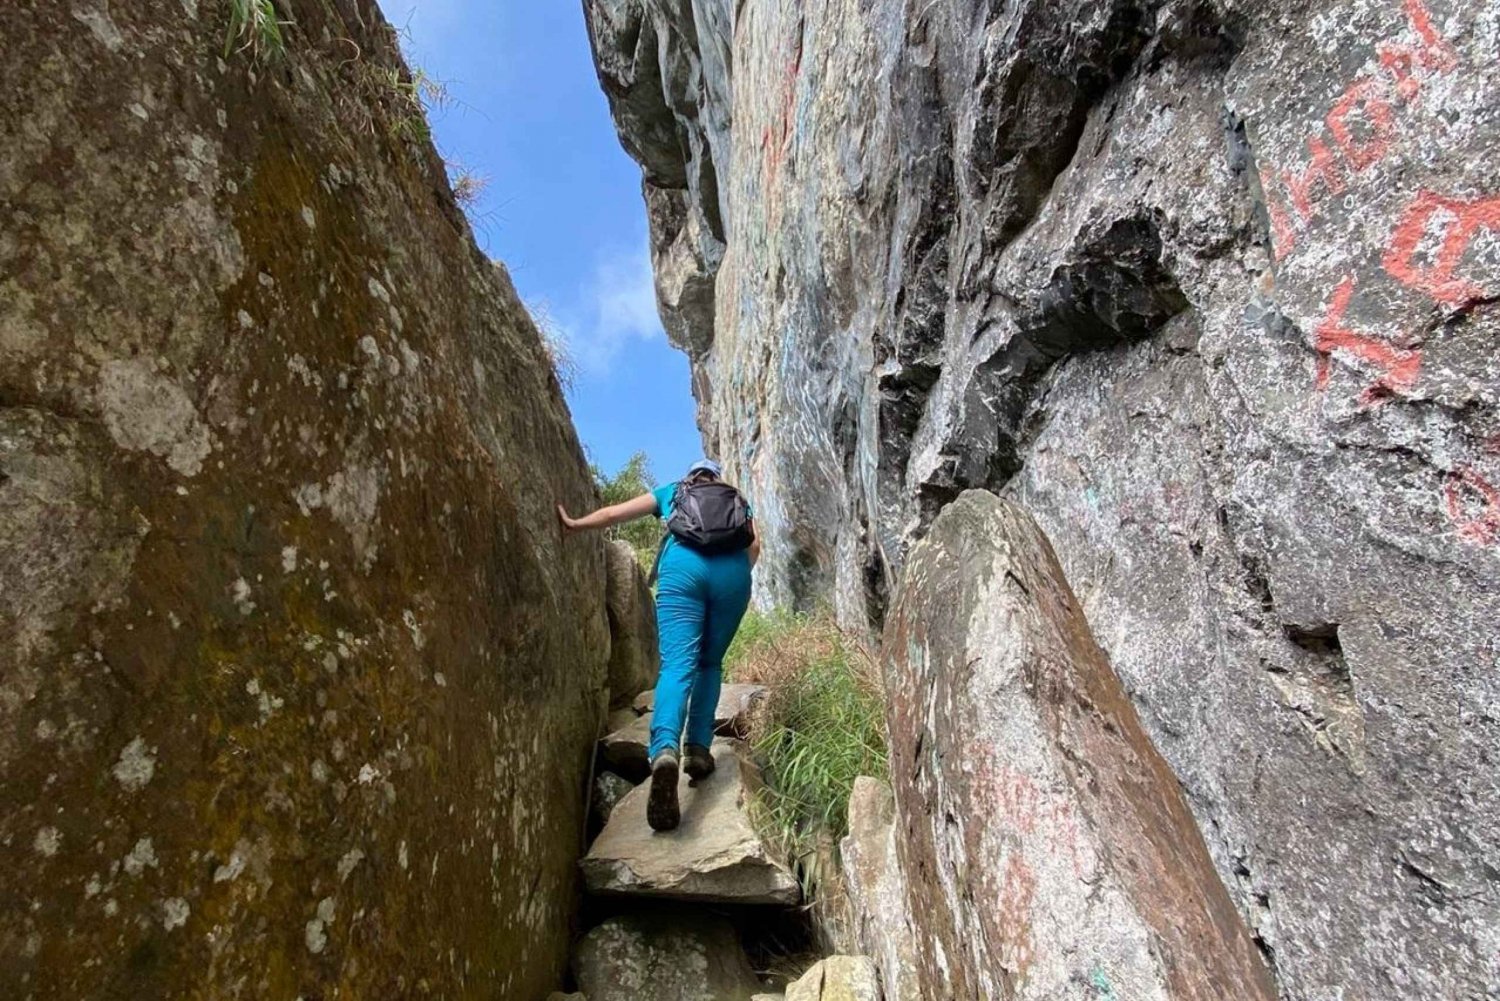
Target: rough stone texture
point(715, 855)
point(837, 978)
point(609, 789)
point(283, 606)
point(624, 750)
point(1209, 285)
point(876, 888)
point(664, 957)
point(1045, 843)
point(633, 654)
point(731, 715)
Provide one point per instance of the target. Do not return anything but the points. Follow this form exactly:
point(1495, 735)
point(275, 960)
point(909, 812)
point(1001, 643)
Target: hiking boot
point(661, 809)
point(697, 761)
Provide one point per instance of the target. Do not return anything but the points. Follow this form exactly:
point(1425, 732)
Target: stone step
point(664, 957)
point(731, 714)
point(837, 978)
point(623, 750)
point(715, 855)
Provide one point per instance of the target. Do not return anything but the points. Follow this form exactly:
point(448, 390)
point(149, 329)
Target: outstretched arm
point(614, 514)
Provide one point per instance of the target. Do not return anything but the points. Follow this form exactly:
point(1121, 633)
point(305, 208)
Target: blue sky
point(562, 208)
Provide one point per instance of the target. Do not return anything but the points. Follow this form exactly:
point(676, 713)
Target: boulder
point(1207, 285)
point(714, 856)
point(633, 652)
point(624, 750)
point(609, 789)
point(837, 978)
point(731, 716)
point(664, 957)
point(876, 887)
point(1044, 841)
point(287, 626)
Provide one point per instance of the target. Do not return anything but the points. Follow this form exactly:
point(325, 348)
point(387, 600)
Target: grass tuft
point(821, 727)
point(255, 27)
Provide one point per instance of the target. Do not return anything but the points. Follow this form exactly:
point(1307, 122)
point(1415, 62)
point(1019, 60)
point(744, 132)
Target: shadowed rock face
point(298, 684)
point(1210, 288)
point(1044, 842)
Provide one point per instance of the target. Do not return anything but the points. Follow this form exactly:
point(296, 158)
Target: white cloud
point(615, 308)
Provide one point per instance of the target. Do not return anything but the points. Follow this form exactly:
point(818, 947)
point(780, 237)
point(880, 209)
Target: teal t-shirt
point(664, 495)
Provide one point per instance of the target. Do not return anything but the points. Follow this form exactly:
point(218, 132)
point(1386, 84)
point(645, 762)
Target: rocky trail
point(1122, 371)
point(698, 913)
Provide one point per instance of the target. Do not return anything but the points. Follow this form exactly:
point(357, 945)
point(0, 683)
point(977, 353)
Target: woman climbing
point(703, 588)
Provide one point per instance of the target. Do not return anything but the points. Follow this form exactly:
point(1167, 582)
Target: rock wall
point(1210, 286)
point(298, 681)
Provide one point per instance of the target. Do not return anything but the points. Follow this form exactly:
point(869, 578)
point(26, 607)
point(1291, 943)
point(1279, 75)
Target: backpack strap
point(661, 547)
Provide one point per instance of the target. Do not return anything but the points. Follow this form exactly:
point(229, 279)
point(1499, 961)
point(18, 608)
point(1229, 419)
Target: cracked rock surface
point(1210, 287)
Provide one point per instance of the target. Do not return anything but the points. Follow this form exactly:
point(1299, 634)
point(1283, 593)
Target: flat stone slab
point(715, 855)
point(730, 716)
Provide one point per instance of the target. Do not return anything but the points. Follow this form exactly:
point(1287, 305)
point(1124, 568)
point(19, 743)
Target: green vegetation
point(821, 727)
point(631, 480)
point(255, 26)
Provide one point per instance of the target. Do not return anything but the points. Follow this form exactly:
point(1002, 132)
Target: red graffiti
point(1028, 810)
point(1365, 98)
point(1321, 169)
point(1400, 60)
point(1017, 891)
point(1362, 126)
point(1397, 366)
point(776, 138)
point(1473, 505)
point(1460, 222)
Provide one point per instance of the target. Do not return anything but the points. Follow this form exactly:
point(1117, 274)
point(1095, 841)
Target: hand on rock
point(571, 524)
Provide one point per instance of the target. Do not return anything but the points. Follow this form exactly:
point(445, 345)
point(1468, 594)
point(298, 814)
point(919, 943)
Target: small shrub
point(821, 727)
point(468, 184)
point(255, 26)
point(631, 480)
point(559, 353)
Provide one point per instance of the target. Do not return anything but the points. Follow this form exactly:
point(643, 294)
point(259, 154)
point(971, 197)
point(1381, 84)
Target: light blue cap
point(708, 465)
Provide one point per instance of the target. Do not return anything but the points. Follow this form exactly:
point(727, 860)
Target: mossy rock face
point(298, 681)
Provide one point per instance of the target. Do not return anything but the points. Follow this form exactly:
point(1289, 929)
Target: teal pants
point(699, 603)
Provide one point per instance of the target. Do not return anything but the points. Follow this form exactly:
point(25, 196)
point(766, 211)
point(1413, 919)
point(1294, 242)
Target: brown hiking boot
point(661, 809)
point(697, 761)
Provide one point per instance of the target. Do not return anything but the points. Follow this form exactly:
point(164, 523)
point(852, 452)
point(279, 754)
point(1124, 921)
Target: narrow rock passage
point(676, 915)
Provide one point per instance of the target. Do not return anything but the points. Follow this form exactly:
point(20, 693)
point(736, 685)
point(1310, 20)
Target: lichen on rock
point(280, 626)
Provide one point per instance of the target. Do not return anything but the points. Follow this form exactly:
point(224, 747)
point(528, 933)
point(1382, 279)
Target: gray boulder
point(837, 978)
point(633, 655)
point(624, 750)
point(609, 789)
point(1044, 841)
point(876, 887)
point(715, 855)
point(664, 957)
